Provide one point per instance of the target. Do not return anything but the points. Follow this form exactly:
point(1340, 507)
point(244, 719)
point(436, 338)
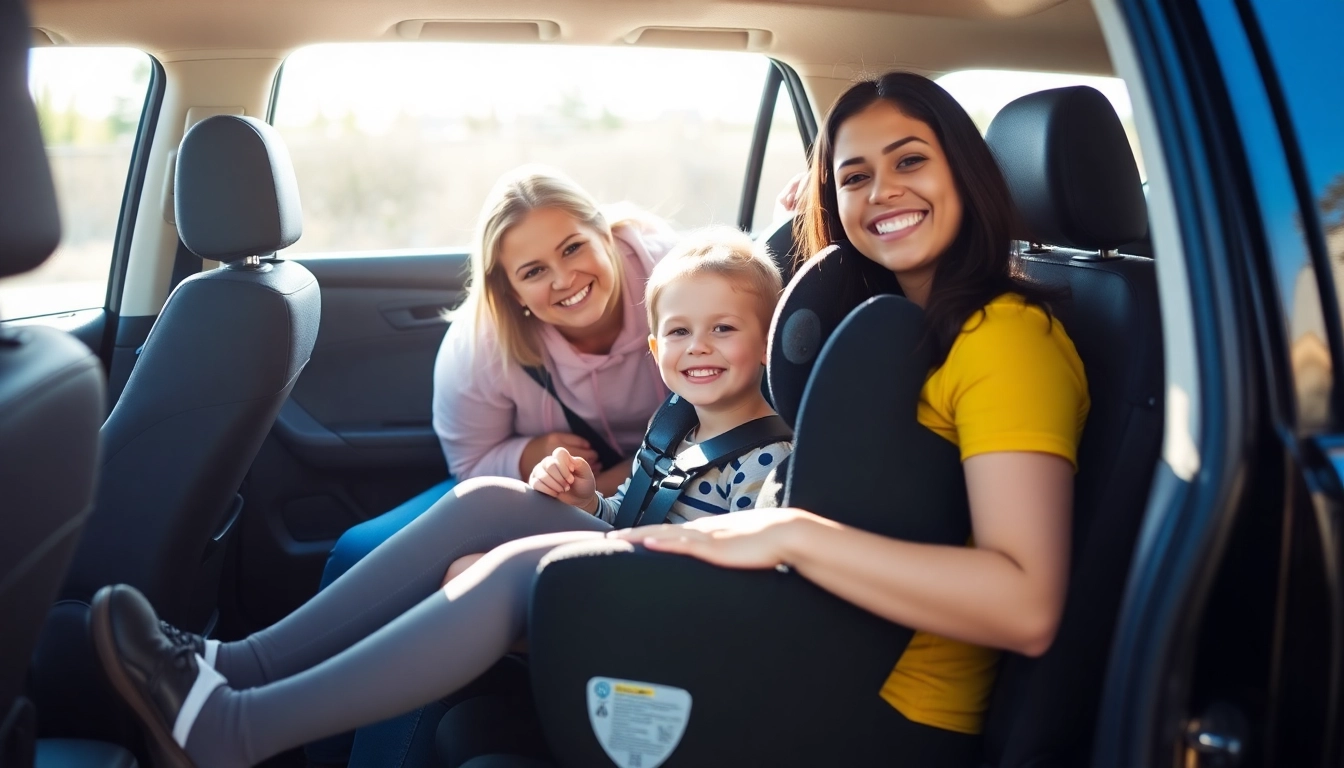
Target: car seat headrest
point(821, 294)
point(236, 192)
point(1070, 169)
point(30, 225)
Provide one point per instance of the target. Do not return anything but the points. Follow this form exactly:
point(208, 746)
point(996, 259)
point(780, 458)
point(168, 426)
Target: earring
point(527, 312)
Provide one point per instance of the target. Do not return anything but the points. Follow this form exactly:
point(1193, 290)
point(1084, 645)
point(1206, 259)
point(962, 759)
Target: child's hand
point(568, 478)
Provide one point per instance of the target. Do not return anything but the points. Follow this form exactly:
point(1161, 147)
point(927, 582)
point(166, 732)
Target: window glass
point(983, 92)
point(784, 159)
point(396, 145)
point(89, 102)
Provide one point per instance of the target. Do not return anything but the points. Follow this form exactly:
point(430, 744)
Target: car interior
point(262, 398)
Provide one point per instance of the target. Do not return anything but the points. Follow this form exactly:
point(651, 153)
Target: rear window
point(396, 145)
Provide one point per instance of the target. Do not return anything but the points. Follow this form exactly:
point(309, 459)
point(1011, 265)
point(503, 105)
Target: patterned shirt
point(717, 491)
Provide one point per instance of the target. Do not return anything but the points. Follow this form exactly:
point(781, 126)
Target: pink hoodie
point(485, 415)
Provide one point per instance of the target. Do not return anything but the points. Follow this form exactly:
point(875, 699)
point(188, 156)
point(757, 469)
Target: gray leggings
point(384, 639)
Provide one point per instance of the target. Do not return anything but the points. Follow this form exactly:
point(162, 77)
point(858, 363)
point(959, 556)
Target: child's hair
point(489, 300)
point(722, 251)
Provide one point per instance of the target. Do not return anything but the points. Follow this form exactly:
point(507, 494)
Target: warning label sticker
point(637, 724)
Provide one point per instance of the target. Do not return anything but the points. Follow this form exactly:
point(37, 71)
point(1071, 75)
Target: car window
point(784, 158)
point(983, 92)
point(89, 102)
point(396, 145)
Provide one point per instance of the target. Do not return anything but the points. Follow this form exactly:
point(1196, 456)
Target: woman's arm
point(1007, 591)
point(473, 417)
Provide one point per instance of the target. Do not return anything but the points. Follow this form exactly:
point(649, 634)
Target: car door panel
point(355, 438)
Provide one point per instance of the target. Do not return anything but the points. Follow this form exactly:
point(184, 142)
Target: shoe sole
point(163, 748)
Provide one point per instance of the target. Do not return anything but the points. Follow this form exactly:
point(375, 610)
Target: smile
point(578, 297)
point(898, 223)
point(702, 374)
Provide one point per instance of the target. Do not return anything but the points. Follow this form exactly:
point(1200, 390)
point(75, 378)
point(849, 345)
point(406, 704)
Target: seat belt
point(606, 454)
point(660, 474)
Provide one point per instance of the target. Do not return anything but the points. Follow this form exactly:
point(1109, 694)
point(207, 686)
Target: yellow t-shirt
point(1011, 382)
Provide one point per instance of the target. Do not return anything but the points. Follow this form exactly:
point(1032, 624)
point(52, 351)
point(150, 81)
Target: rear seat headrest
point(30, 225)
point(1070, 168)
point(236, 192)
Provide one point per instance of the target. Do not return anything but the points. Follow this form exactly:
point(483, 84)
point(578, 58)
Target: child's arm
point(568, 478)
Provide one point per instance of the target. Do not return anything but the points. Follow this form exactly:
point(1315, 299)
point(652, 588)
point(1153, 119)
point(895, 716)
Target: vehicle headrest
point(1070, 168)
point(30, 225)
point(236, 192)
point(819, 297)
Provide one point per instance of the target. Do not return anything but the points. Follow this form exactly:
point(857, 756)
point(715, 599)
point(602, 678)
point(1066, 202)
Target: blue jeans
point(407, 740)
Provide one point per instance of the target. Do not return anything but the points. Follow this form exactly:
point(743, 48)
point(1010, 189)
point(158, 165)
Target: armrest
point(775, 667)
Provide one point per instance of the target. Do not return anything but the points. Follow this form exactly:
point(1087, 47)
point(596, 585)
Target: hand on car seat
point(568, 478)
point(753, 538)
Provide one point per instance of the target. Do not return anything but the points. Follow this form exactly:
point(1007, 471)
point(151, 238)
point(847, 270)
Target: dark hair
point(981, 263)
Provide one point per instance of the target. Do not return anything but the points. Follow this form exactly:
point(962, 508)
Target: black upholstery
point(219, 362)
point(1044, 710)
point(30, 225)
point(51, 403)
point(1070, 169)
point(764, 628)
point(236, 192)
point(217, 365)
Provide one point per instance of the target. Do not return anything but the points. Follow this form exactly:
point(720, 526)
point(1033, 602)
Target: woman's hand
point(568, 478)
point(754, 538)
point(786, 204)
point(545, 445)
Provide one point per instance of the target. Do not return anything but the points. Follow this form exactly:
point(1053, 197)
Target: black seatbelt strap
point(185, 264)
point(667, 475)
point(606, 454)
point(669, 427)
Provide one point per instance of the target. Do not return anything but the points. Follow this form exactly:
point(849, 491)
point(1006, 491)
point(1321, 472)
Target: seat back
point(51, 402)
point(1073, 176)
point(214, 371)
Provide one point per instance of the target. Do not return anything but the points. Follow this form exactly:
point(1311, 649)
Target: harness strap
point(606, 454)
point(670, 475)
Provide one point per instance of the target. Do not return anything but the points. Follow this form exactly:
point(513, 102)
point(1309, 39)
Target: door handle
point(423, 316)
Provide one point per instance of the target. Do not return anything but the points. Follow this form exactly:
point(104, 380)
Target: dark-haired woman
point(901, 172)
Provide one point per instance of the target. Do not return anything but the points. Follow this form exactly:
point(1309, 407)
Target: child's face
point(710, 342)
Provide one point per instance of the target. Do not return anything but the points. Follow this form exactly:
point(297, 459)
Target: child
point(709, 304)
point(381, 640)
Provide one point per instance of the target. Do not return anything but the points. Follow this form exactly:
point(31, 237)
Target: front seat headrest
point(30, 225)
point(1070, 169)
point(236, 192)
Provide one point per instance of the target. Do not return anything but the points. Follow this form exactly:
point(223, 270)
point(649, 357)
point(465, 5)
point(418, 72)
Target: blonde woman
point(555, 286)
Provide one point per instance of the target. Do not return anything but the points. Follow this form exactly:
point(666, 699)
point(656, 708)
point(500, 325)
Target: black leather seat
point(51, 403)
point(219, 362)
point(1073, 176)
point(214, 371)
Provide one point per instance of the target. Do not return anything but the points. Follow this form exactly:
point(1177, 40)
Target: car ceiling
point(837, 39)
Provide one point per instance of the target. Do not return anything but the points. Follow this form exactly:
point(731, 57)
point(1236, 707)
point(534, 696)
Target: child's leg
point(460, 565)
point(476, 516)
point(432, 649)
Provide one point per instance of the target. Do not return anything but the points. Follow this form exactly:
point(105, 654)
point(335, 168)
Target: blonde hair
point(490, 300)
point(721, 251)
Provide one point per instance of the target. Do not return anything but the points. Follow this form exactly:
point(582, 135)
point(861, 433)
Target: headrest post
point(251, 262)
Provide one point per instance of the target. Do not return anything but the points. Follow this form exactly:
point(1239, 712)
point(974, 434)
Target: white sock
point(211, 651)
point(207, 680)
